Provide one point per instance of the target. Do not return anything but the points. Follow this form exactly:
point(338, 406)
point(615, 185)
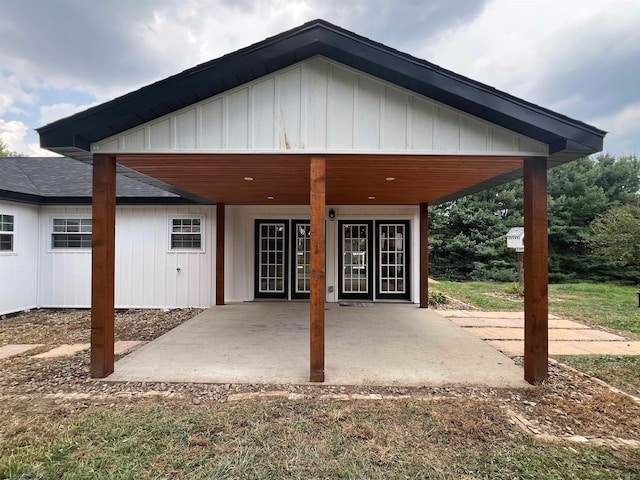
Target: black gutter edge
point(43, 200)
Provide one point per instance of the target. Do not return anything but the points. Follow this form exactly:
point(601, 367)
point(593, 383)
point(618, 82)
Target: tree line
point(594, 226)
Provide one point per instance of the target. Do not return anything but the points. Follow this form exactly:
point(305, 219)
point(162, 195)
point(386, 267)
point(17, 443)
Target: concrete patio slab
point(268, 342)
point(12, 350)
point(64, 350)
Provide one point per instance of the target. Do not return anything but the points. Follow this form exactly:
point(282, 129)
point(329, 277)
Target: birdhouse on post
point(515, 240)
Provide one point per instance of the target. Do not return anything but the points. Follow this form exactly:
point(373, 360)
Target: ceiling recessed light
point(249, 179)
point(270, 197)
point(390, 179)
point(372, 198)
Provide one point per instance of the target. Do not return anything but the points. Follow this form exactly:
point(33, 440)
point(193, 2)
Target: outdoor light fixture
point(332, 214)
point(270, 197)
point(372, 198)
point(249, 179)
point(390, 179)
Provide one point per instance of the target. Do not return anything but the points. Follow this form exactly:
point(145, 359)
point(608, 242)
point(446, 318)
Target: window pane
point(6, 223)
point(63, 240)
point(186, 233)
point(6, 243)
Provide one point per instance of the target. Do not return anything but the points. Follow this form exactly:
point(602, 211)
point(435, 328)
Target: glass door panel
point(392, 279)
point(355, 279)
point(301, 274)
point(271, 258)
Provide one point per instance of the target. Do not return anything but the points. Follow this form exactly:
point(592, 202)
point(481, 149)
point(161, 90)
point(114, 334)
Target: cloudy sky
point(578, 57)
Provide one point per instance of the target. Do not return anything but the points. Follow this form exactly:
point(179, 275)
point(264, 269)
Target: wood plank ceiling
point(263, 179)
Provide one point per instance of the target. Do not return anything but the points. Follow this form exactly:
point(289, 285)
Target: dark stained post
point(317, 297)
point(220, 253)
point(103, 243)
point(536, 271)
point(424, 255)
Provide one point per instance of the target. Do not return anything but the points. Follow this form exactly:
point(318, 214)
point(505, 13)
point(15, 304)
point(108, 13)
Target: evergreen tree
point(467, 235)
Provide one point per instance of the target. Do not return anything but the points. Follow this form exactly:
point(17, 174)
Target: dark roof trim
point(40, 200)
point(73, 135)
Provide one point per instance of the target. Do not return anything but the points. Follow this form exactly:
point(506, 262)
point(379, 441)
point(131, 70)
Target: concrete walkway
point(268, 342)
point(505, 332)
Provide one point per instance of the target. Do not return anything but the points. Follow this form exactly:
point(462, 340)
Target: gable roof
point(567, 138)
point(63, 180)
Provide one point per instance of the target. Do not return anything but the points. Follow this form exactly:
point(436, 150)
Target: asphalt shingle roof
point(62, 177)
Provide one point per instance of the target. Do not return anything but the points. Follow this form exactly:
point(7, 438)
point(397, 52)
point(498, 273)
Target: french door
point(373, 253)
point(355, 280)
point(272, 272)
point(392, 278)
point(272, 237)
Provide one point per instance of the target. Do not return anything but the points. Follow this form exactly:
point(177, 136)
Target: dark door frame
point(257, 261)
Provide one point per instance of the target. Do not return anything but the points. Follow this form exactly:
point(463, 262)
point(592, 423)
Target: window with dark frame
point(71, 233)
point(6, 232)
point(186, 233)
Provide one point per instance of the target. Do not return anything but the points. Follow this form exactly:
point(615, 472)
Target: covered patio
point(323, 119)
point(366, 344)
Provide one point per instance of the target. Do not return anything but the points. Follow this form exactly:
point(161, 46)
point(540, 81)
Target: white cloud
point(51, 113)
point(13, 93)
point(14, 135)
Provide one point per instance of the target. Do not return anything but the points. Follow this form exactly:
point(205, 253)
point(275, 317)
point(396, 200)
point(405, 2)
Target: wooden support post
point(536, 271)
point(220, 253)
point(317, 297)
point(103, 265)
point(424, 255)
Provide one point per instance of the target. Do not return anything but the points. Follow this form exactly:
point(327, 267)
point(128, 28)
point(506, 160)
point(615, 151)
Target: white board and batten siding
point(147, 272)
point(19, 267)
point(321, 106)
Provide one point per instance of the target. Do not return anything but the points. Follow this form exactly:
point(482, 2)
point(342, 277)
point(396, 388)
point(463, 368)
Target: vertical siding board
point(447, 130)
point(237, 120)
point(288, 109)
point(186, 128)
point(395, 120)
point(367, 117)
point(160, 135)
point(212, 125)
point(314, 104)
point(474, 135)
point(262, 110)
point(422, 124)
point(340, 107)
point(135, 140)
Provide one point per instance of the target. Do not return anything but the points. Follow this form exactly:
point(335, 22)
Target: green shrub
point(437, 298)
point(514, 289)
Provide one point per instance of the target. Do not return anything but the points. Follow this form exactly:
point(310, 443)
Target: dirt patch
point(567, 404)
point(56, 327)
point(511, 297)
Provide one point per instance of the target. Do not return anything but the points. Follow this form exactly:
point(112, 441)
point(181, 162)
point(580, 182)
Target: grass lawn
point(447, 439)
